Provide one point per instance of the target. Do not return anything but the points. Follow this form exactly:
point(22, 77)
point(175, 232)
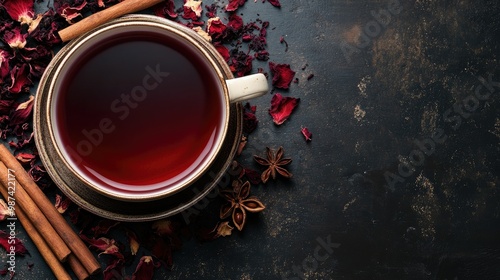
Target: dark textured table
point(400, 180)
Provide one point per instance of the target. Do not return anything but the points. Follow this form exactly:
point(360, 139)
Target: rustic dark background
point(378, 90)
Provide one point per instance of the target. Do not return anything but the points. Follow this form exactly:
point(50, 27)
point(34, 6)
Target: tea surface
point(139, 112)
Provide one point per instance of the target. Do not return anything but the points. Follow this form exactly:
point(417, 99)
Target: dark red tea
point(139, 111)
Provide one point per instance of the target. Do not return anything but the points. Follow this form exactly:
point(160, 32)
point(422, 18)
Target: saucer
point(111, 208)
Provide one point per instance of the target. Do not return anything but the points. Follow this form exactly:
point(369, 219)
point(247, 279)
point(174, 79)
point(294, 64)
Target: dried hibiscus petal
point(275, 3)
point(62, 203)
point(22, 112)
point(240, 63)
point(4, 210)
point(235, 22)
point(145, 269)
point(25, 158)
point(70, 13)
point(20, 80)
point(5, 58)
point(233, 5)
point(114, 270)
point(192, 9)
point(15, 38)
point(46, 30)
point(166, 8)
point(307, 134)
point(133, 241)
point(282, 107)
point(249, 119)
point(282, 75)
point(216, 28)
point(9, 243)
point(223, 51)
point(103, 226)
point(105, 245)
point(20, 10)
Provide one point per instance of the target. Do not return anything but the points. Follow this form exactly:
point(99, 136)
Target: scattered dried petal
point(20, 10)
point(240, 63)
point(163, 227)
point(5, 210)
point(22, 112)
point(192, 10)
point(166, 9)
point(235, 23)
point(7, 242)
point(202, 33)
point(224, 229)
point(15, 38)
point(282, 108)
point(223, 51)
point(133, 241)
point(275, 3)
point(105, 245)
point(5, 58)
point(145, 269)
point(70, 13)
point(62, 204)
point(282, 75)
point(20, 79)
point(103, 227)
point(216, 28)
point(114, 270)
point(233, 5)
point(307, 134)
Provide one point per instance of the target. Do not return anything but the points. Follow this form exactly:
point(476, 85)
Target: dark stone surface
point(368, 111)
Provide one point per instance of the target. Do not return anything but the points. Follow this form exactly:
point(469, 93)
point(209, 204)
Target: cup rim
point(127, 24)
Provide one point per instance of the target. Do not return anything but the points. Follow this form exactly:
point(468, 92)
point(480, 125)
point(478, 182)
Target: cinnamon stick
point(36, 217)
point(94, 20)
point(72, 240)
point(47, 254)
point(77, 267)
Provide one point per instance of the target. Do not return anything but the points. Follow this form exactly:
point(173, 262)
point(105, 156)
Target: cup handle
point(247, 87)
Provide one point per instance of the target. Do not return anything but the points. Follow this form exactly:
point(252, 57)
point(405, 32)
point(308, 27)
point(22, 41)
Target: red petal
point(114, 270)
point(163, 251)
point(62, 204)
point(234, 5)
point(250, 121)
point(25, 157)
point(14, 38)
point(107, 246)
point(223, 51)
point(216, 28)
point(9, 242)
point(20, 10)
point(69, 12)
point(307, 134)
point(46, 31)
point(282, 107)
point(20, 80)
point(22, 112)
point(103, 227)
point(275, 3)
point(5, 57)
point(235, 22)
point(166, 8)
point(282, 75)
point(4, 210)
point(145, 269)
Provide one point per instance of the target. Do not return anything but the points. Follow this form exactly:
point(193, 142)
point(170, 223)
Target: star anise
point(274, 163)
point(239, 203)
